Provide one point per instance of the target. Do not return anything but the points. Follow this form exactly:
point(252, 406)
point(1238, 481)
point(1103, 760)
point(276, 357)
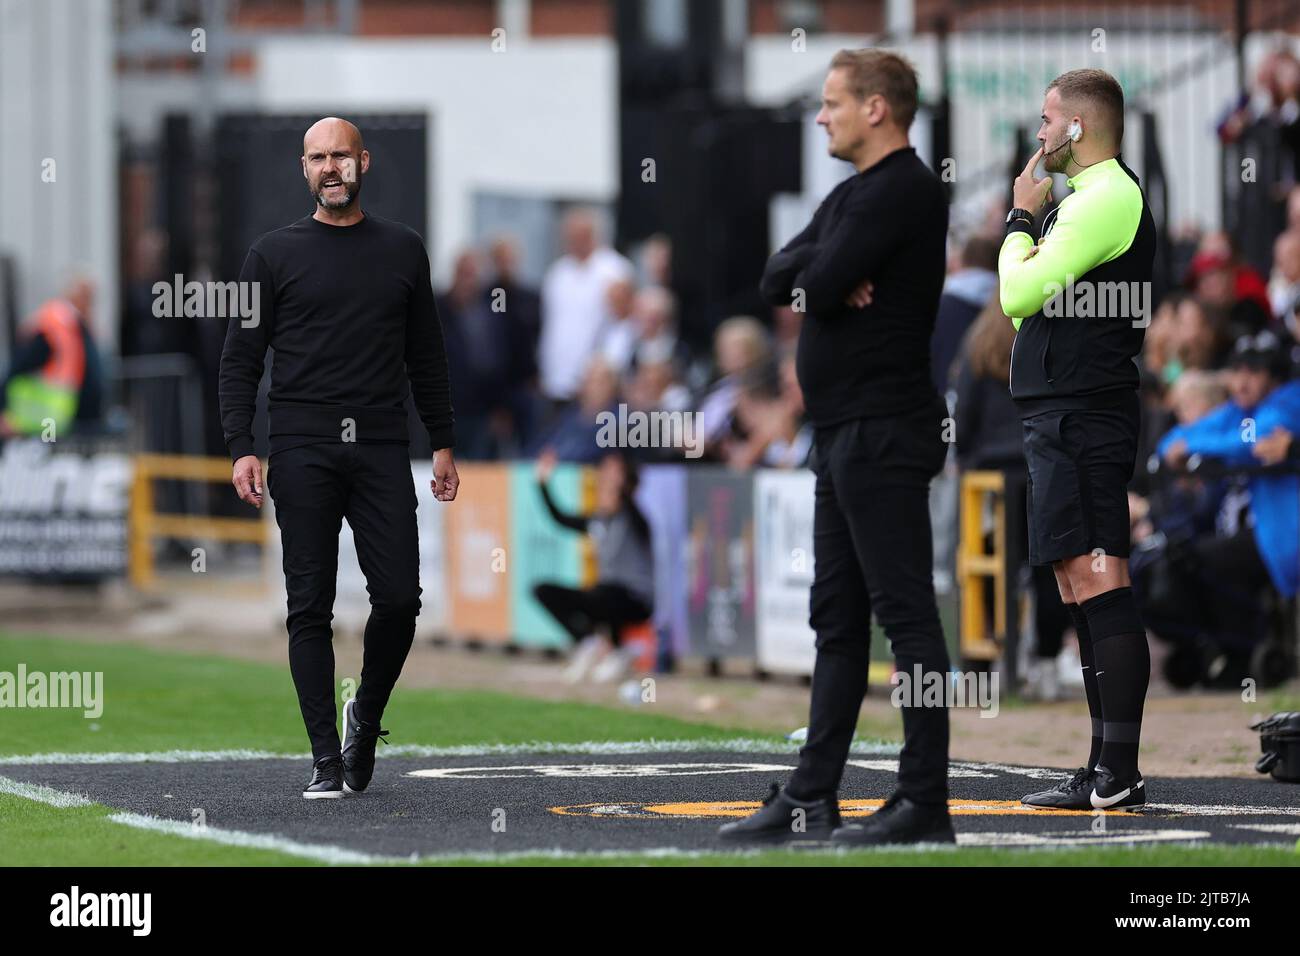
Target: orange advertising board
point(478, 569)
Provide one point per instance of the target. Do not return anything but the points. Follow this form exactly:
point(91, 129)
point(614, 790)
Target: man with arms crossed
point(1076, 298)
point(346, 303)
point(868, 271)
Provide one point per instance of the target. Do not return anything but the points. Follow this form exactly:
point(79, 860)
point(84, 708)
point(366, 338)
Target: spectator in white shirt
point(574, 305)
point(618, 337)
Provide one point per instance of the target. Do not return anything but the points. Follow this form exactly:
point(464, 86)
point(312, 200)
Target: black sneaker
point(358, 749)
point(1111, 793)
point(779, 820)
point(900, 820)
point(326, 780)
point(1072, 794)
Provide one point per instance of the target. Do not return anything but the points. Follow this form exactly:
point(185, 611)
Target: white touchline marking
point(954, 770)
point(654, 853)
point(743, 745)
point(48, 795)
point(325, 853)
point(157, 756)
point(1077, 838)
point(1033, 773)
point(1224, 810)
point(1290, 829)
point(544, 770)
point(322, 853)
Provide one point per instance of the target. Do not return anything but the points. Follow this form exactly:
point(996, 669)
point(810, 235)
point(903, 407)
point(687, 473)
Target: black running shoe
point(358, 749)
point(783, 819)
point(1111, 793)
point(900, 820)
point(1072, 794)
point(326, 780)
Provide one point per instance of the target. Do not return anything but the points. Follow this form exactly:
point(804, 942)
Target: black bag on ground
point(1279, 739)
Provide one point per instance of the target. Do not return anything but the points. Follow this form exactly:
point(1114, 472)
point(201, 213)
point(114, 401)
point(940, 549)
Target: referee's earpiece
point(1075, 131)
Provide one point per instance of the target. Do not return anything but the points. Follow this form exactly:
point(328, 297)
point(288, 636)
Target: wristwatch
point(1019, 213)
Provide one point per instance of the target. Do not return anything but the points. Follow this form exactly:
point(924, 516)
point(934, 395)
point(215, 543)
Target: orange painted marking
point(848, 808)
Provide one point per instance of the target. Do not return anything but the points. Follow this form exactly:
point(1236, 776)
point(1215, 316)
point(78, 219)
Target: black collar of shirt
point(888, 158)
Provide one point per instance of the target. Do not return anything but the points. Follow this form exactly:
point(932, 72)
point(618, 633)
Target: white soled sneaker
point(585, 654)
point(616, 663)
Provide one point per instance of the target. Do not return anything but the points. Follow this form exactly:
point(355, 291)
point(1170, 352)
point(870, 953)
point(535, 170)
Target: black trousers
point(873, 553)
point(314, 488)
point(1209, 588)
point(581, 611)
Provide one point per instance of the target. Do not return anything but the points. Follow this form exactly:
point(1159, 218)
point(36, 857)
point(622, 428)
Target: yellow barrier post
point(146, 524)
point(975, 565)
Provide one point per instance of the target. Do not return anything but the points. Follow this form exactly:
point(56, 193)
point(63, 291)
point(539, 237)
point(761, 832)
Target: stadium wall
point(58, 167)
point(539, 119)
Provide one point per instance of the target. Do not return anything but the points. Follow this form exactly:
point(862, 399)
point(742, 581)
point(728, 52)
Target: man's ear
point(304, 169)
point(365, 161)
point(877, 109)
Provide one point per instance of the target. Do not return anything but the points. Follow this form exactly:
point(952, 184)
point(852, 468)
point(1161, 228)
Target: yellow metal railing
point(147, 525)
point(976, 565)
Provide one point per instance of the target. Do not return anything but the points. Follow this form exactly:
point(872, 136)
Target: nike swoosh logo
point(1101, 803)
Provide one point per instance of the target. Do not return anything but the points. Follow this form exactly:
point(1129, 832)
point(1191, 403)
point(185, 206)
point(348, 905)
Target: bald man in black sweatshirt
point(868, 272)
point(346, 303)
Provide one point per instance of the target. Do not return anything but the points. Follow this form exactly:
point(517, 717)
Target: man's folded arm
point(243, 359)
point(860, 243)
point(783, 266)
point(1089, 230)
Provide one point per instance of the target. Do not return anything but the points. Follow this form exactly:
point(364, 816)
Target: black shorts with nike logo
point(1080, 463)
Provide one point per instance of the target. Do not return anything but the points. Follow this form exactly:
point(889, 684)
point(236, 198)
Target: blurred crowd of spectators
point(533, 369)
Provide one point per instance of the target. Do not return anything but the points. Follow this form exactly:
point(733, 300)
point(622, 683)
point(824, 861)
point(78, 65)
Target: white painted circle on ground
point(544, 771)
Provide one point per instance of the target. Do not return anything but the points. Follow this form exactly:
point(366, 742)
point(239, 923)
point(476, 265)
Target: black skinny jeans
point(314, 488)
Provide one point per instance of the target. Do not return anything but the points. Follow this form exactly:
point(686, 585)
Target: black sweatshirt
point(888, 224)
point(349, 313)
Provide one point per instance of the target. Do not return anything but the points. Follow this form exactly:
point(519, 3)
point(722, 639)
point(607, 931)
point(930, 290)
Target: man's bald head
point(79, 290)
point(331, 130)
point(334, 160)
point(581, 232)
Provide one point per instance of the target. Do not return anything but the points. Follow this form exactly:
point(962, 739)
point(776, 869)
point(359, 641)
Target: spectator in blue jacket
point(1255, 428)
point(1257, 541)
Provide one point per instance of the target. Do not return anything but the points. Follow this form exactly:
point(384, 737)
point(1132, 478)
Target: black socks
point(1122, 669)
point(1080, 622)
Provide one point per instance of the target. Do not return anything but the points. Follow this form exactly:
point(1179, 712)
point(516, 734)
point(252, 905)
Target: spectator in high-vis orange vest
point(54, 379)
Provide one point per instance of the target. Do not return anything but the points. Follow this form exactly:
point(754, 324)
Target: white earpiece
point(1075, 132)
